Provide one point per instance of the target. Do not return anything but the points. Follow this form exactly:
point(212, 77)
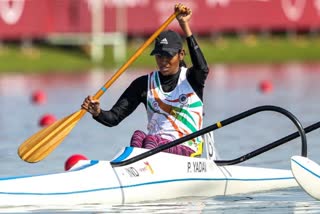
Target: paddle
point(219, 125)
point(42, 143)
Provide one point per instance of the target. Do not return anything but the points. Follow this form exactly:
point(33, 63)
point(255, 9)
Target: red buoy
point(266, 86)
point(73, 160)
point(39, 97)
point(47, 119)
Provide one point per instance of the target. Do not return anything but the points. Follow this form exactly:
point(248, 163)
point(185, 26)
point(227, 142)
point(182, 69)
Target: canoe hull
point(158, 177)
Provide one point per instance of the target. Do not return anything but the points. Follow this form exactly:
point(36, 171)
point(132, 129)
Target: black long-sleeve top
point(136, 93)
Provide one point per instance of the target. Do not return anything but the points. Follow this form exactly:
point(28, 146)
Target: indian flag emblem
point(183, 99)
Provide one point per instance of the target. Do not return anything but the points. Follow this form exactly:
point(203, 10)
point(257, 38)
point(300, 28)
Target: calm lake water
point(229, 90)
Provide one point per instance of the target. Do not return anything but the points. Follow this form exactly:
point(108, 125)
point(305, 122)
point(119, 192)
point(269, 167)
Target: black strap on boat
point(221, 124)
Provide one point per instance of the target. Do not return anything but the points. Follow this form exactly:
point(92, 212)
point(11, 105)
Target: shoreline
point(40, 58)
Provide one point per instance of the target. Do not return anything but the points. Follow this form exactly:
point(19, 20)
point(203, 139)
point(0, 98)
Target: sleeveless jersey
point(174, 114)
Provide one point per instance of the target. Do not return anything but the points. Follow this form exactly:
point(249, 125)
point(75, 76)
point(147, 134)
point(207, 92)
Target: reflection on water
point(229, 90)
point(292, 201)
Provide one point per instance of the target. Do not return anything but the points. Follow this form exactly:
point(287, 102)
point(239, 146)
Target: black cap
point(168, 42)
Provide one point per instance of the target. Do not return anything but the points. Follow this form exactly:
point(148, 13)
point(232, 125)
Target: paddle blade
point(42, 143)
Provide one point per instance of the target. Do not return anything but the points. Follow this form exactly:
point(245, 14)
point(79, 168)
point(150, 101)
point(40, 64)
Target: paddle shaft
point(134, 56)
point(216, 126)
point(267, 147)
point(123, 68)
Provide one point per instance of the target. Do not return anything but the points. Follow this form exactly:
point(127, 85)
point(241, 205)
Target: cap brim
point(163, 52)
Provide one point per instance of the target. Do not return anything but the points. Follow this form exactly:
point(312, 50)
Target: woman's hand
point(92, 106)
point(184, 15)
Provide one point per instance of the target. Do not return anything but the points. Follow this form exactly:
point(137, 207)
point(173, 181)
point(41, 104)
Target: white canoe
point(160, 176)
point(307, 174)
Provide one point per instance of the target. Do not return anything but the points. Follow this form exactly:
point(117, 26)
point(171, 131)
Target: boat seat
point(208, 141)
point(199, 152)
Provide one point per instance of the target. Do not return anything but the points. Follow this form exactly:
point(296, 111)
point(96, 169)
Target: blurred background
point(53, 53)
point(81, 34)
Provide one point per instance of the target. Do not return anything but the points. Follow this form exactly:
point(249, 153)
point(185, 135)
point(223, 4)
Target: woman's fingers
point(182, 9)
point(91, 105)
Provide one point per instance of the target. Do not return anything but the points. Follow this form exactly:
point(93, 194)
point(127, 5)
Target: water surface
point(229, 90)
